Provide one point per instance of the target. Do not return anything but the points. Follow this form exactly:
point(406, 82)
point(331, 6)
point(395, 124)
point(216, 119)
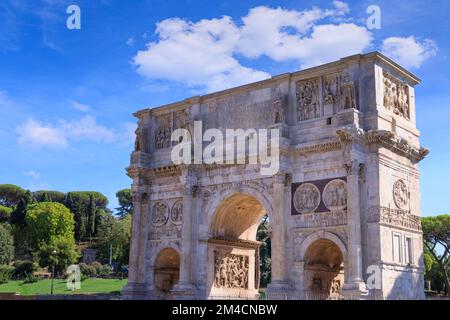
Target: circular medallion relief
point(401, 194)
point(335, 195)
point(176, 214)
point(306, 198)
point(160, 214)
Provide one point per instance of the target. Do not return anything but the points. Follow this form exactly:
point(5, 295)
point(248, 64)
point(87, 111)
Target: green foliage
point(115, 233)
point(10, 194)
point(49, 196)
point(5, 214)
point(23, 268)
point(125, 202)
point(5, 273)
point(263, 235)
point(86, 206)
point(19, 214)
point(47, 221)
point(6, 244)
point(65, 255)
point(436, 234)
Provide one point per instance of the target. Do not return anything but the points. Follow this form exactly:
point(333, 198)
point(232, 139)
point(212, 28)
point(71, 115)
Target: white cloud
point(87, 128)
point(33, 174)
point(38, 135)
point(203, 54)
point(130, 42)
point(196, 54)
point(80, 106)
point(409, 52)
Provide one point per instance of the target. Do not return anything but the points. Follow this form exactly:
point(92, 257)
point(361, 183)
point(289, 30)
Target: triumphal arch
point(343, 200)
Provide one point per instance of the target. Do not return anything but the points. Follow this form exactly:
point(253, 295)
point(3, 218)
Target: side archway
point(324, 256)
point(166, 271)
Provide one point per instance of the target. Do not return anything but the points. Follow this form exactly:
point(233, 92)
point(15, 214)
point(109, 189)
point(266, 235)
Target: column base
point(134, 291)
point(355, 290)
point(183, 291)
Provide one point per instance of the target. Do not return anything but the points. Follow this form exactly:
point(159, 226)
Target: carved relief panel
point(163, 131)
point(328, 195)
point(166, 219)
point(230, 270)
point(335, 195)
point(401, 194)
point(396, 96)
point(308, 101)
point(306, 198)
point(339, 91)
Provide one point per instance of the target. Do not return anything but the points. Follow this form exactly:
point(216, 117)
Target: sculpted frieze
point(339, 91)
point(395, 217)
point(396, 96)
point(230, 271)
point(308, 103)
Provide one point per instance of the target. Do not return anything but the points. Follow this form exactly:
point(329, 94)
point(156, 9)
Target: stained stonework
point(346, 196)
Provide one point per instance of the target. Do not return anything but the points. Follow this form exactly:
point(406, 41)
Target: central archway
point(233, 259)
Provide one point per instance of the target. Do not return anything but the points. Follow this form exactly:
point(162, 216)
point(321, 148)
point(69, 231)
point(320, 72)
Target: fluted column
point(354, 273)
point(278, 237)
point(184, 287)
point(135, 235)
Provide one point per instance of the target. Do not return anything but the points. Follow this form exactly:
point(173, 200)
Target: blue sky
point(67, 96)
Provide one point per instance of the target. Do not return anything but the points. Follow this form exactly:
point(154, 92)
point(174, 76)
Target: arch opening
point(237, 217)
point(324, 268)
point(233, 250)
point(167, 271)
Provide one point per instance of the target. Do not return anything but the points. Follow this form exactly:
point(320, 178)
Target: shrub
point(30, 278)
point(97, 266)
point(23, 268)
point(88, 270)
point(105, 270)
point(5, 273)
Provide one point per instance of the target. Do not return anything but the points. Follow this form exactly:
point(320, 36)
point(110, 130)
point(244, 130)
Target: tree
point(263, 235)
point(10, 194)
point(66, 253)
point(436, 234)
point(116, 234)
point(5, 214)
point(6, 244)
point(49, 196)
point(91, 216)
point(47, 221)
point(125, 202)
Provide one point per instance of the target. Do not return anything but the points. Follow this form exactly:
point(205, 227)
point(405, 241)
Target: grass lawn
point(88, 286)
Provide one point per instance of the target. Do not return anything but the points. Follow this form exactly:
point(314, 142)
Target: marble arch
point(348, 183)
